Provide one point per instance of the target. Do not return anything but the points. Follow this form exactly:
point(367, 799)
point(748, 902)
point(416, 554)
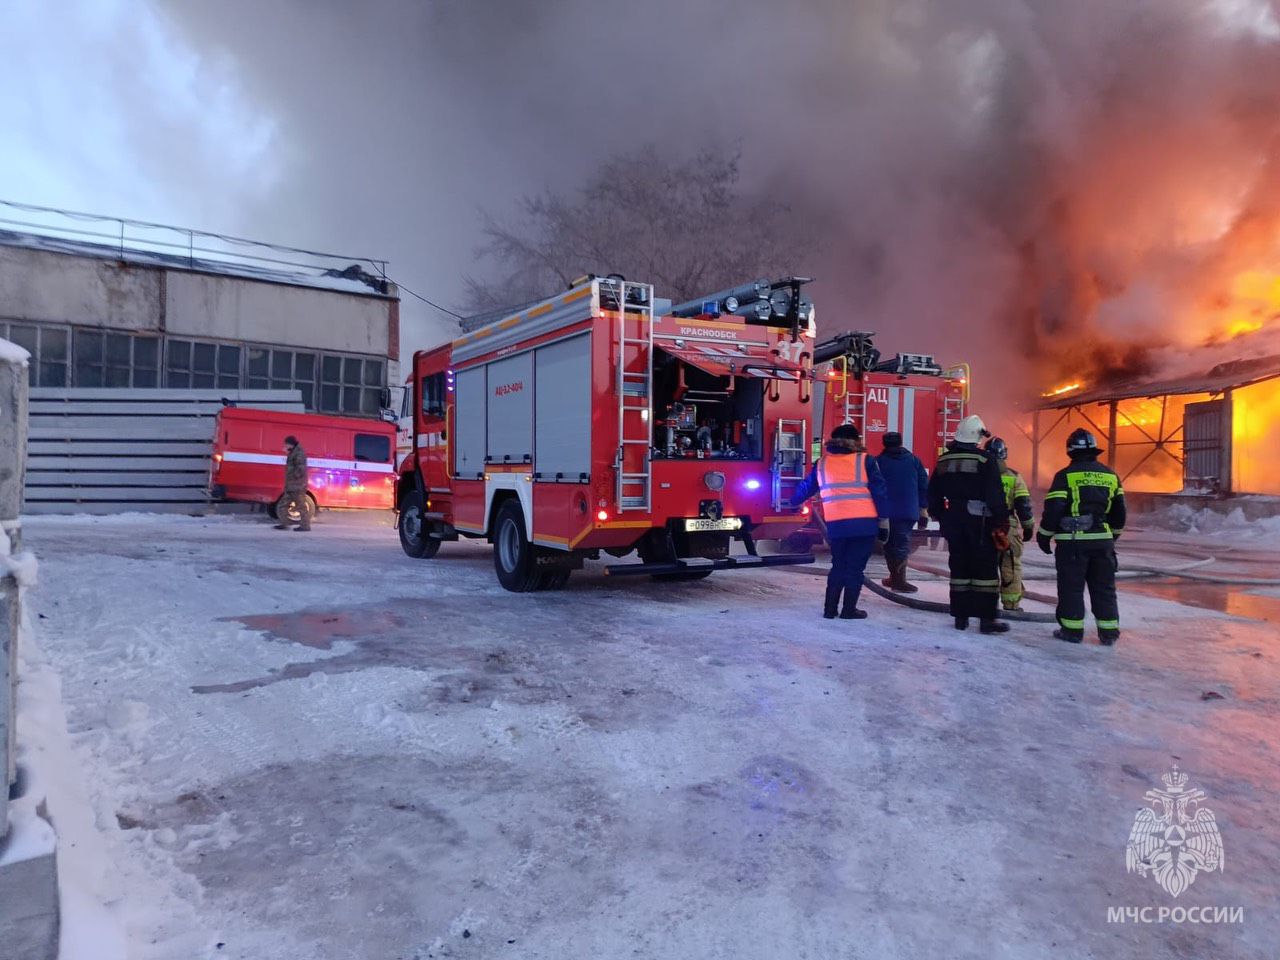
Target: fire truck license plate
point(728, 523)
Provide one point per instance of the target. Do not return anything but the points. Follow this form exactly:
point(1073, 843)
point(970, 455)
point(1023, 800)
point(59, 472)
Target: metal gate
point(111, 450)
point(1202, 466)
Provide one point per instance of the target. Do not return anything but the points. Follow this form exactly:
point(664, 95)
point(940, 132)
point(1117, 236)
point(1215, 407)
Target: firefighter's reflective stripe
point(1071, 624)
point(977, 586)
point(953, 462)
point(1107, 624)
point(1013, 488)
point(1103, 534)
point(843, 487)
point(1091, 478)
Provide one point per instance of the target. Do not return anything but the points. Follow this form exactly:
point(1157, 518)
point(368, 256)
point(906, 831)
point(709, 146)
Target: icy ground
point(295, 747)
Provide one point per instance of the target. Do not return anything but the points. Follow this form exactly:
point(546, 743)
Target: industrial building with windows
point(132, 315)
point(140, 334)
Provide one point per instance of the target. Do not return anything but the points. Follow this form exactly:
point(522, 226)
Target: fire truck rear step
point(695, 564)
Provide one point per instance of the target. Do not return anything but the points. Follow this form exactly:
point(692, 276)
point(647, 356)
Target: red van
point(350, 461)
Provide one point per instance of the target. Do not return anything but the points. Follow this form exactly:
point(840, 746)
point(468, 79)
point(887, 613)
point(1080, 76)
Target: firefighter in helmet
point(1083, 516)
point(855, 508)
point(967, 499)
point(1017, 499)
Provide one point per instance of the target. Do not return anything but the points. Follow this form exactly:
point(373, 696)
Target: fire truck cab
point(603, 421)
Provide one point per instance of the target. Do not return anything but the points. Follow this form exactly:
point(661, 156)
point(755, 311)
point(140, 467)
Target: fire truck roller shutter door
point(894, 421)
point(562, 409)
point(468, 439)
point(509, 395)
point(902, 411)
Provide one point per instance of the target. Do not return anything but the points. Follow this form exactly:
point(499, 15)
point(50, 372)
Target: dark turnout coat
point(966, 489)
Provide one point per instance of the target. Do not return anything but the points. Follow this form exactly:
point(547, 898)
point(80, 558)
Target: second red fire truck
point(910, 394)
point(603, 421)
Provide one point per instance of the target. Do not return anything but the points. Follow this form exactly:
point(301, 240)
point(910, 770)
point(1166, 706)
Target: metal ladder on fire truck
point(953, 407)
point(789, 457)
point(634, 386)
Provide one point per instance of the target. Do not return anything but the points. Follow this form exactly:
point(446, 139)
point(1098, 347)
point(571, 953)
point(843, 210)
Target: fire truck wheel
point(414, 538)
point(553, 579)
point(513, 558)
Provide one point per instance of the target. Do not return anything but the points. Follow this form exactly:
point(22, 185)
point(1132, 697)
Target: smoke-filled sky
point(986, 179)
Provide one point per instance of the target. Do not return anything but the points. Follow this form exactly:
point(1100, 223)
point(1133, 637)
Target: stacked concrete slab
point(28, 850)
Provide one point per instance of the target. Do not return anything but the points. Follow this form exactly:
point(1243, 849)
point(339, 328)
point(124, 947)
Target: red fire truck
point(910, 394)
point(601, 420)
point(350, 460)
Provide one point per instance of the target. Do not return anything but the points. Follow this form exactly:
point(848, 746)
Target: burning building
point(1214, 432)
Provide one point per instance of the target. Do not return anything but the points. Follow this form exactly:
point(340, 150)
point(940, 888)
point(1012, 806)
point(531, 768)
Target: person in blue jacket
point(854, 505)
point(908, 484)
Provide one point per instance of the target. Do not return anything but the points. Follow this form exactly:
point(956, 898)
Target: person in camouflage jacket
point(295, 487)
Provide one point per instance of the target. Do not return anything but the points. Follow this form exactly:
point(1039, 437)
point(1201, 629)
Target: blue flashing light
point(752, 484)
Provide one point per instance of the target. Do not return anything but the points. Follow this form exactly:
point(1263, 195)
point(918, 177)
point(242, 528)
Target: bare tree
point(684, 226)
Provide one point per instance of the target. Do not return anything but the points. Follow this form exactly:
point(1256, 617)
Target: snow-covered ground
point(285, 746)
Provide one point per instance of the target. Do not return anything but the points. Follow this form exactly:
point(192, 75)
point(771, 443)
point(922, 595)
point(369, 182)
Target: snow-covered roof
point(353, 279)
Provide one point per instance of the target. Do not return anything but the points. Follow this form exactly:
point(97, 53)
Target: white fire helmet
point(971, 429)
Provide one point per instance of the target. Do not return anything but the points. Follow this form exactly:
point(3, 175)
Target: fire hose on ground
point(1128, 572)
point(1031, 616)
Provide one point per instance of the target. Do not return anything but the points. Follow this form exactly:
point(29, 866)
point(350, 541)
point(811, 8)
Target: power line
point(430, 303)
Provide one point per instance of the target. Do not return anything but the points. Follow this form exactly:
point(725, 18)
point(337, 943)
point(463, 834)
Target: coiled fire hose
point(935, 606)
point(1127, 572)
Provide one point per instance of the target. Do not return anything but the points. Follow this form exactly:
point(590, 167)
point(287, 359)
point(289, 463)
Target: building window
point(268, 368)
point(351, 384)
point(48, 347)
point(202, 365)
point(106, 359)
point(373, 448)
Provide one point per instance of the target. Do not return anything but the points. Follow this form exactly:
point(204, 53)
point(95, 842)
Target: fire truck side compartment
point(562, 410)
point(509, 414)
point(469, 420)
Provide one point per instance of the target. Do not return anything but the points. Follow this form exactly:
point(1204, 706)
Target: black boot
point(993, 626)
point(898, 573)
point(962, 623)
point(1070, 636)
point(1108, 637)
point(850, 612)
point(832, 602)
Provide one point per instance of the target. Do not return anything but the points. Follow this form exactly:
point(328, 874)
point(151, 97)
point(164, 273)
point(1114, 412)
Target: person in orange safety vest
point(855, 509)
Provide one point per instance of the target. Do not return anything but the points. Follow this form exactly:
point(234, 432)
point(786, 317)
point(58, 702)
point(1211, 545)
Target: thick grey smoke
point(1027, 184)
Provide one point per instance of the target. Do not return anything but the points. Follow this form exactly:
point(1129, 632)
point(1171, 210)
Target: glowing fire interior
point(1254, 302)
point(1151, 445)
point(1152, 451)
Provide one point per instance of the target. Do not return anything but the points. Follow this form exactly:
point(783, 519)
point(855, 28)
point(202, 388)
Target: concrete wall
point(39, 285)
point(56, 287)
point(227, 308)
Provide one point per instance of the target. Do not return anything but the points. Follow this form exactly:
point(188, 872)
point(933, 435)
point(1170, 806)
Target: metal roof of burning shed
point(1230, 375)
